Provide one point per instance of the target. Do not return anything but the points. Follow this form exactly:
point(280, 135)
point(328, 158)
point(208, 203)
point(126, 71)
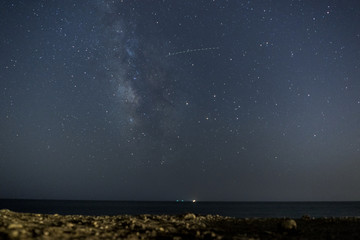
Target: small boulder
point(15, 225)
point(190, 216)
point(70, 225)
point(288, 225)
point(14, 234)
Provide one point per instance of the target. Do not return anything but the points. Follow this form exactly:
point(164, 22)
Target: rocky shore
point(15, 225)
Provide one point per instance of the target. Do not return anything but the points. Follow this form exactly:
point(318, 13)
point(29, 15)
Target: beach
point(15, 225)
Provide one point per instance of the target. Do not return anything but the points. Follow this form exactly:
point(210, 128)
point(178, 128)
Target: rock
point(190, 216)
point(209, 235)
point(288, 225)
point(70, 225)
point(132, 237)
point(15, 225)
point(153, 233)
point(14, 234)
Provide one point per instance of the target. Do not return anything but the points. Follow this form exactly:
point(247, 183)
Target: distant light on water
point(177, 200)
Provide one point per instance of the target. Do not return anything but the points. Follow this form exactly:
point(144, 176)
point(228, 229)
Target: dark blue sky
point(124, 100)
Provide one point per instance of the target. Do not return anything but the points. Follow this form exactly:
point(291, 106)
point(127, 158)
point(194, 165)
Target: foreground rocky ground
point(15, 225)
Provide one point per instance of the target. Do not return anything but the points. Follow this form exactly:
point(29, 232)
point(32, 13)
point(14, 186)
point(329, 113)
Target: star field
point(163, 100)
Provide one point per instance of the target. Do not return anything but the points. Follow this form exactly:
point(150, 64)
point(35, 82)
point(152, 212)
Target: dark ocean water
point(233, 209)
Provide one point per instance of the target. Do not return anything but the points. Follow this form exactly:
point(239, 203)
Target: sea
point(231, 209)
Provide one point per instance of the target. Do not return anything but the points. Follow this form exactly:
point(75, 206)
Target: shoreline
point(15, 225)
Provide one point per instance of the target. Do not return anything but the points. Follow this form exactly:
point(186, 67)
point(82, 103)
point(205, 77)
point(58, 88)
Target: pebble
point(15, 225)
point(14, 234)
point(70, 225)
point(190, 216)
point(288, 225)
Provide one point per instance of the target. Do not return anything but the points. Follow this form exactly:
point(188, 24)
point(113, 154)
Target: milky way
point(143, 83)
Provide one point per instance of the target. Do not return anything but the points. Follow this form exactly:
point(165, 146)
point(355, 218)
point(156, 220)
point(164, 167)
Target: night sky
point(165, 100)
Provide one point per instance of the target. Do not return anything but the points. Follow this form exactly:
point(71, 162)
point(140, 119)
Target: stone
point(70, 225)
point(190, 216)
point(14, 234)
point(15, 225)
point(288, 225)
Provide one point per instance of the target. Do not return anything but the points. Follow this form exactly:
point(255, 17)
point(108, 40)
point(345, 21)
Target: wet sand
point(15, 225)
